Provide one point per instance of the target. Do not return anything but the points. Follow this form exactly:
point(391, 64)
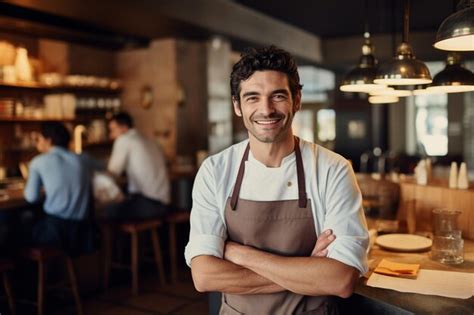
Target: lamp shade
point(456, 33)
point(383, 99)
point(389, 91)
point(453, 78)
point(361, 78)
point(403, 69)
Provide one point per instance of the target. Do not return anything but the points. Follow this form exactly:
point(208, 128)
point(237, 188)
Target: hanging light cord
point(366, 18)
point(406, 20)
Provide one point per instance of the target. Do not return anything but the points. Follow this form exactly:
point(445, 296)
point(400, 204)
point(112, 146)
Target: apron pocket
point(226, 309)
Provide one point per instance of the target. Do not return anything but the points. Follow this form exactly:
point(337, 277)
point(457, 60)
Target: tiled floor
point(180, 298)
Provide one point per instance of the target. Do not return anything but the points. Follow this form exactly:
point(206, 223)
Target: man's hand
point(234, 252)
point(324, 240)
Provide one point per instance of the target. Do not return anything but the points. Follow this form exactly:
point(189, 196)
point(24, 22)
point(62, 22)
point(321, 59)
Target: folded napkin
point(430, 282)
point(390, 268)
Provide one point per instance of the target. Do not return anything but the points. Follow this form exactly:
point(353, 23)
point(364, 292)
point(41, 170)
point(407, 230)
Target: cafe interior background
point(168, 63)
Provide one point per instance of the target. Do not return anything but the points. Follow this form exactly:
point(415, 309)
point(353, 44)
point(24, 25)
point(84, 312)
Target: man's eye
point(251, 99)
point(279, 97)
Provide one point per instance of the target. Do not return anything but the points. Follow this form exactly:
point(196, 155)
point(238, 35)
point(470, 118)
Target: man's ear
point(237, 109)
point(297, 102)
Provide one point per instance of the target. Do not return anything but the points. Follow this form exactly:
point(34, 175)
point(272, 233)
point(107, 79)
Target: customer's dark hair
point(123, 119)
point(57, 132)
point(267, 58)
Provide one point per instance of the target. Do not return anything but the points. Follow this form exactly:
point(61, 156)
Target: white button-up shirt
point(331, 186)
point(143, 161)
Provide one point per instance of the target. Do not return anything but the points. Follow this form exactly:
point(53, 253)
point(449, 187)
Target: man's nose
point(266, 106)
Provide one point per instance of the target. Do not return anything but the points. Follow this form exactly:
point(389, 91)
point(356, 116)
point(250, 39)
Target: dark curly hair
point(267, 58)
point(57, 132)
point(123, 119)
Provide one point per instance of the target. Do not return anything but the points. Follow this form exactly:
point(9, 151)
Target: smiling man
point(277, 224)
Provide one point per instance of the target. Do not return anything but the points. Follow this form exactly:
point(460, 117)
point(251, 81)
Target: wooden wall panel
point(429, 197)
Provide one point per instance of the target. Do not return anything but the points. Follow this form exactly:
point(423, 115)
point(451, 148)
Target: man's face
point(115, 130)
point(266, 106)
point(43, 144)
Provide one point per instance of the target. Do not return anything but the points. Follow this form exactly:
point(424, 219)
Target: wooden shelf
point(33, 119)
point(61, 88)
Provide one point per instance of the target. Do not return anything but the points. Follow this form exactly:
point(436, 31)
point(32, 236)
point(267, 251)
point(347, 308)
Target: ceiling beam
point(185, 18)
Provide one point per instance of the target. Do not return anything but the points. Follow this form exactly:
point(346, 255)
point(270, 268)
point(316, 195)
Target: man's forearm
point(302, 275)
point(214, 274)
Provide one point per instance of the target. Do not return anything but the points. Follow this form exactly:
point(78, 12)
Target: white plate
point(403, 242)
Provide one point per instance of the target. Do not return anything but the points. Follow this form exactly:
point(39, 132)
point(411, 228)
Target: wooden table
point(418, 303)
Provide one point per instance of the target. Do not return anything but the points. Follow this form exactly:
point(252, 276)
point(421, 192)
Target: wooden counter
point(418, 303)
point(15, 200)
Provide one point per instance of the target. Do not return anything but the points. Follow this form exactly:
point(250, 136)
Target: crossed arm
point(246, 270)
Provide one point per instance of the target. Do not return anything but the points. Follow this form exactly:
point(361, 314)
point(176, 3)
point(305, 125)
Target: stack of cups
point(448, 245)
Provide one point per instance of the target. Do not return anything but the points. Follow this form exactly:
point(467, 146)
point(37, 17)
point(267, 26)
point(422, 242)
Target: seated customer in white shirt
point(144, 164)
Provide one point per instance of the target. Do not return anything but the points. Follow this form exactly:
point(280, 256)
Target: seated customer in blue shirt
point(66, 178)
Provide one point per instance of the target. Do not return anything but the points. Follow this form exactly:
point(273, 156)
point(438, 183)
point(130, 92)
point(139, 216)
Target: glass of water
point(448, 247)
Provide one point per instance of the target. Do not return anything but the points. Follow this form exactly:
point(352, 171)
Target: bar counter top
point(419, 303)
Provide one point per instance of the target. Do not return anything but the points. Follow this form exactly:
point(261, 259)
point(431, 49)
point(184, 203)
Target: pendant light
point(361, 78)
point(383, 99)
point(453, 78)
point(456, 33)
point(404, 68)
point(390, 91)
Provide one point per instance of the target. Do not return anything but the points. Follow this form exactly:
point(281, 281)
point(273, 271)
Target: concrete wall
point(153, 67)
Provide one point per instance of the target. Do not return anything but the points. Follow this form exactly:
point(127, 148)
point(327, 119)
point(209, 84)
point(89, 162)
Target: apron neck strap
point(302, 197)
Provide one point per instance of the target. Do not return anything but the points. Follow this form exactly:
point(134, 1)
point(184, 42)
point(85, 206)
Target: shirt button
point(289, 184)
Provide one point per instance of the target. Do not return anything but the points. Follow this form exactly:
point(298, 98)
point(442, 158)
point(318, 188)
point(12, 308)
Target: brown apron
point(283, 227)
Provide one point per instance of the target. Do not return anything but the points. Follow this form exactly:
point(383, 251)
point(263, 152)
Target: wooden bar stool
point(41, 255)
point(5, 266)
point(174, 219)
point(133, 228)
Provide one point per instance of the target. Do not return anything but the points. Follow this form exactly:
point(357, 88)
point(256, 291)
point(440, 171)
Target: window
point(326, 125)
point(432, 123)
point(303, 125)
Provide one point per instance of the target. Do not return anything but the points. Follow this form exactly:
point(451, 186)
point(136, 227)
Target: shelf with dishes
point(57, 107)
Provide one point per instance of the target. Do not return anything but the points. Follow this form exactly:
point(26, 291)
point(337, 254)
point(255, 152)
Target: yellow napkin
point(390, 268)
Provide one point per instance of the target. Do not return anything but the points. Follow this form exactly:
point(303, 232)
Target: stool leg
point(9, 293)
point(41, 275)
point(134, 254)
point(157, 253)
point(173, 258)
point(107, 255)
point(74, 287)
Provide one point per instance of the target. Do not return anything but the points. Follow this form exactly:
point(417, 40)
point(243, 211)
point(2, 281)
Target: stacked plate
point(7, 107)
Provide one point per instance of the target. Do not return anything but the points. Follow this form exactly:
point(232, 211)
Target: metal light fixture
point(453, 78)
point(361, 78)
point(389, 91)
point(404, 68)
point(383, 99)
point(456, 33)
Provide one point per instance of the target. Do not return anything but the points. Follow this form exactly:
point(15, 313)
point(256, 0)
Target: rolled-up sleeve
point(118, 158)
point(208, 233)
point(345, 216)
